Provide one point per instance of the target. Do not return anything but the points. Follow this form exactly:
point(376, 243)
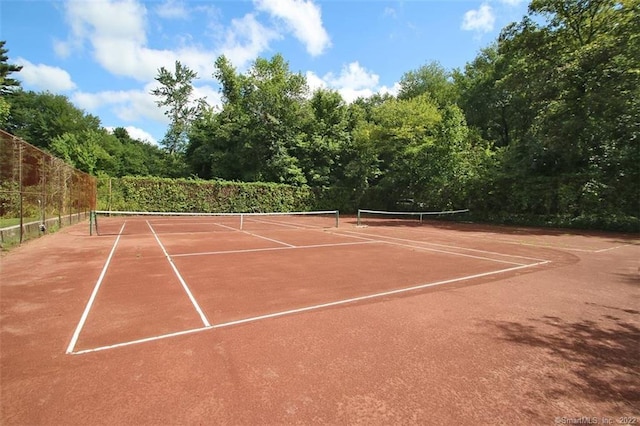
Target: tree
point(139, 158)
point(83, 151)
point(420, 148)
point(260, 129)
point(560, 92)
point(7, 85)
point(40, 117)
point(486, 106)
point(327, 136)
point(176, 93)
point(431, 79)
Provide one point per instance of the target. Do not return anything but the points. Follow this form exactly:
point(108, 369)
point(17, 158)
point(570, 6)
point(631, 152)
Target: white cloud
point(352, 83)
point(116, 32)
point(62, 49)
point(172, 9)
point(128, 105)
point(135, 105)
point(512, 2)
point(314, 82)
point(353, 76)
point(136, 133)
point(303, 18)
point(44, 77)
point(210, 94)
point(245, 39)
point(481, 20)
point(390, 12)
point(393, 90)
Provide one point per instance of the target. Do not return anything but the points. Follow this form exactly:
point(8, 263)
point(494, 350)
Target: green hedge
point(194, 195)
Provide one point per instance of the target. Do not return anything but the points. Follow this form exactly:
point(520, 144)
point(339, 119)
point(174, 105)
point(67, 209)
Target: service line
point(207, 253)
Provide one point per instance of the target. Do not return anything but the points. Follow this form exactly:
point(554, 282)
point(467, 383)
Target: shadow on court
point(584, 360)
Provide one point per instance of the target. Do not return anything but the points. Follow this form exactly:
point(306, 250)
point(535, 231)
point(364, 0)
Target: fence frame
point(51, 190)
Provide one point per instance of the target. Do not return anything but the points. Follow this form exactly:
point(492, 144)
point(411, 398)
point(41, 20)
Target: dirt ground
point(556, 341)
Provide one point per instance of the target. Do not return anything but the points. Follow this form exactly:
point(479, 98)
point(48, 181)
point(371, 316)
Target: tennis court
point(310, 318)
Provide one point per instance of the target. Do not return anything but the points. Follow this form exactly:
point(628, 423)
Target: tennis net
point(390, 218)
point(130, 222)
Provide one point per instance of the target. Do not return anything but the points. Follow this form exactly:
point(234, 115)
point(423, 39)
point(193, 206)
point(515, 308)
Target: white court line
point(312, 308)
point(258, 236)
point(561, 247)
point(184, 284)
point(285, 224)
point(270, 239)
point(611, 248)
point(146, 339)
point(206, 253)
point(535, 259)
point(439, 251)
point(547, 245)
point(85, 314)
point(227, 227)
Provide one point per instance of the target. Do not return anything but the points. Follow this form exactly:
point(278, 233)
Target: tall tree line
point(543, 122)
point(51, 122)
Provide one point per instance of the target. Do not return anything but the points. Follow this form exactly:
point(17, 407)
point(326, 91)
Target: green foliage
point(175, 93)
point(560, 92)
point(7, 85)
point(194, 195)
point(431, 79)
point(5, 107)
point(82, 152)
point(259, 131)
point(53, 123)
point(541, 128)
point(38, 118)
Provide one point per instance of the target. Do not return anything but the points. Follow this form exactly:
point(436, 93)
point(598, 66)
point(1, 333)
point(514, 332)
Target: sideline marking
point(419, 247)
point(549, 245)
point(454, 247)
point(204, 319)
point(94, 293)
point(359, 235)
point(310, 308)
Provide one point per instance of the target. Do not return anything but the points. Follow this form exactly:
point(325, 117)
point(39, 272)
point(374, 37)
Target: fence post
point(21, 189)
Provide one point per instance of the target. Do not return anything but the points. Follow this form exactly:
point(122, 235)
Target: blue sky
point(104, 54)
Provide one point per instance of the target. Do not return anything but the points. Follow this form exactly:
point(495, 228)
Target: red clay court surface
point(440, 323)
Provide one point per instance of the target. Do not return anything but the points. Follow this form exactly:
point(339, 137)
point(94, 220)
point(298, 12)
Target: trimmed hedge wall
point(194, 195)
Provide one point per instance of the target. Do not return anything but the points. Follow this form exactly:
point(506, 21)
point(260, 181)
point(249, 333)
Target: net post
point(91, 221)
point(241, 221)
point(337, 218)
point(358, 222)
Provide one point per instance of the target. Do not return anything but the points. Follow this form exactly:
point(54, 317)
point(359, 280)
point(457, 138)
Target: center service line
point(184, 284)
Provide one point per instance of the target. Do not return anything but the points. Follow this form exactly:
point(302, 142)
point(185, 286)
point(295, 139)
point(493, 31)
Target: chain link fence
point(39, 193)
